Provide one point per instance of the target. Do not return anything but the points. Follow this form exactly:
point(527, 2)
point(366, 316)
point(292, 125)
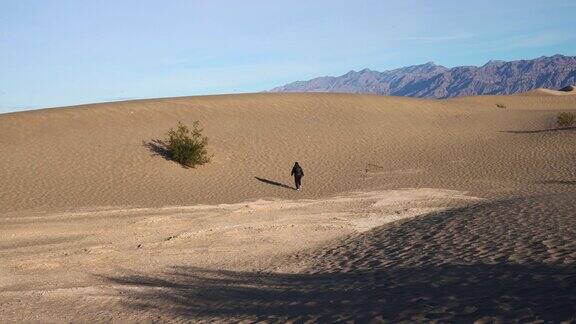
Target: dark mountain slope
point(434, 81)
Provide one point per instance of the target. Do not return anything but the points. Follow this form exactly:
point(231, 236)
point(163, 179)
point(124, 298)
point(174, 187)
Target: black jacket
point(297, 171)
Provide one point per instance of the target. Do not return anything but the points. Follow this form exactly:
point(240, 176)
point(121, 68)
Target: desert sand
point(566, 91)
point(411, 210)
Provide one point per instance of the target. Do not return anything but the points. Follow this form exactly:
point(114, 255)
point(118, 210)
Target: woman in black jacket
point(298, 173)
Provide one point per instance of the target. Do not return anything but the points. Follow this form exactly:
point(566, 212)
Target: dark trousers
point(297, 181)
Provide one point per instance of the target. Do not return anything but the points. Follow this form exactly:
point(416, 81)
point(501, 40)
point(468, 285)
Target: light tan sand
point(548, 92)
point(96, 227)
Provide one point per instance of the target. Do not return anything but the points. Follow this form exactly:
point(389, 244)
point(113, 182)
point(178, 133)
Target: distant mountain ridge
point(435, 81)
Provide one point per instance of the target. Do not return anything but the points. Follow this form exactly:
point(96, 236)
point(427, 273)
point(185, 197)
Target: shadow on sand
point(158, 148)
point(540, 130)
point(274, 183)
point(558, 182)
point(496, 261)
point(494, 292)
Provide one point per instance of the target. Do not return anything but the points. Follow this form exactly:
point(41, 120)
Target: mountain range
point(435, 81)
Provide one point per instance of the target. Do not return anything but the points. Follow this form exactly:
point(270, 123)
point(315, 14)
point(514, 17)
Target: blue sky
point(66, 52)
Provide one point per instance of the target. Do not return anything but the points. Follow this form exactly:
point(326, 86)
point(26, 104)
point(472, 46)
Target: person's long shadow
point(557, 129)
point(274, 183)
point(558, 182)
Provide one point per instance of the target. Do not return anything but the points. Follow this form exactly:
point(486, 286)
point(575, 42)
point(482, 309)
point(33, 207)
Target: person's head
point(296, 164)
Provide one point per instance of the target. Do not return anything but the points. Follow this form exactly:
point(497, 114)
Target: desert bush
point(501, 106)
point(187, 146)
point(565, 119)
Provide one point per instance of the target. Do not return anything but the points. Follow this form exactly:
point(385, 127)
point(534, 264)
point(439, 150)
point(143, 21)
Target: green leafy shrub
point(565, 119)
point(187, 146)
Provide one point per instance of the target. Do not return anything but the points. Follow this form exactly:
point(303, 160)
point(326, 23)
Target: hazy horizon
point(65, 53)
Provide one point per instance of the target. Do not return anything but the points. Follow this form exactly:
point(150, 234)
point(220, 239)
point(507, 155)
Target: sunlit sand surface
point(411, 209)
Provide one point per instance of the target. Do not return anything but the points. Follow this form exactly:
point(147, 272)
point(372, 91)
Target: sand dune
point(406, 202)
point(566, 91)
point(93, 156)
point(499, 261)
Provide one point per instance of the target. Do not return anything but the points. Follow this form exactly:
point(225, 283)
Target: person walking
point(298, 173)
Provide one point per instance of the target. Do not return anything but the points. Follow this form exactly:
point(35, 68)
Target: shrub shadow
point(448, 293)
point(274, 183)
point(158, 148)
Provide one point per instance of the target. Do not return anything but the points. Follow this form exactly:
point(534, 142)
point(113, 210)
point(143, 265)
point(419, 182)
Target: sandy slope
point(569, 91)
point(93, 156)
point(95, 226)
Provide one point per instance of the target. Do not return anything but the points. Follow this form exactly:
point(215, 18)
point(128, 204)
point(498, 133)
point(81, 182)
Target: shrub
point(501, 106)
point(565, 119)
point(187, 146)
